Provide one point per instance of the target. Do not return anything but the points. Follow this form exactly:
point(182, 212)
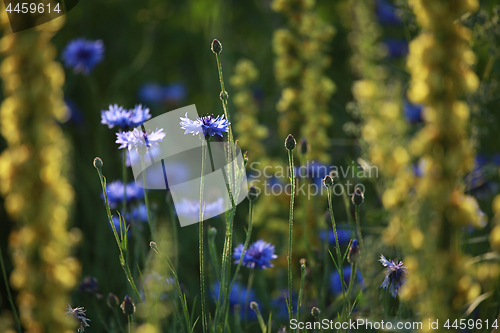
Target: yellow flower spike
point(36, 191)
point(306, 90)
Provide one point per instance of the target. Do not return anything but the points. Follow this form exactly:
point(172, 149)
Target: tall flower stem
point(351, 285)
point(201, 254)
point(226, 257)
point(290, 234)
point(9, 295)
point(304, 213)
point(301, 290)
point(249, 287)
point(129, 319)
point(245, 246)
point(358, 227)
point(124, 180)
point(337, 247)
point(170, 205)
point(146, 201)
point(122, 243)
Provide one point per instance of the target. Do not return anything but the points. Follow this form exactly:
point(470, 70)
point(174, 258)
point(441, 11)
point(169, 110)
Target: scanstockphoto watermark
point(274, 180)
point(328, 324)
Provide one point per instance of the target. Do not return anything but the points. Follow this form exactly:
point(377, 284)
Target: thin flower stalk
point(290, 233)
point(201, 236)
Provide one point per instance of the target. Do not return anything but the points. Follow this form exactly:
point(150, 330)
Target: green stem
point(117, 318)
point(201, 254)
point(304, 216)
point(324, 286)
point(129, 319)
point(224, 100)
point(262, 323)
point(124, 180)
point(351, 284)
point(247, 296)
point(245, 246)
point(122, 245)
point(146, 201)
point(337, 247)
point(301, 290)
point(170, 205)
point(290, 234)
point(99, 316)
point(358, 228)
point(9, 295)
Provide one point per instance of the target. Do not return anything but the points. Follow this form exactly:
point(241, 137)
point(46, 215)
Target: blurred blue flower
point(115, 116)
point(336, 286)
point(138, 139)
point(343, 235)
point(115, 191)
point(158, 94)
point(82, 55)
point(134, 192)
point(413, 112)
point(73, 113)
point(206, 124)
point(315, 171)
point(386, 13)
point(396, 47)
point(191, 208)
point(258, 254)
point(125, 119)
point(139, 213)
point(237, 295)
point(89, 285)
point(395, 275)
point(279, 305)
point(138, 115)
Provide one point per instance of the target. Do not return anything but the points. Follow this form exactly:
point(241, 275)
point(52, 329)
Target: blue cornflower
point(83, 55)
point(206, 124)
point(413, 112)
point(134, 192)
point(191, 209)
point(79, 314)
point(343, 235)
point(139, 139)
point(73, 113)
point(395, 275)
point(89, 285)
point(115, 116)
point(158, 94)
point(259, 255)
point(386, 13)
point(138, 115)
point(118, 116)
point(237, 295)
point(396, 47)
point(139, 213)
point(335, 285)
point(115, 191)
